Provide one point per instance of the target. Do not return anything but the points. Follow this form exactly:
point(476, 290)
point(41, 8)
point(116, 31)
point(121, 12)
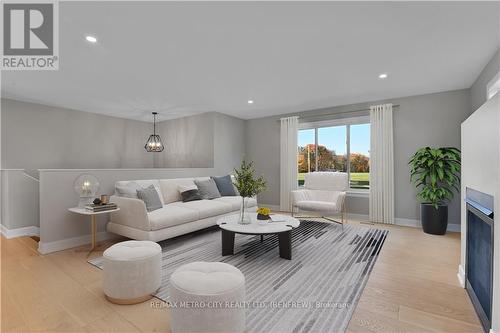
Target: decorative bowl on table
point(263, 214)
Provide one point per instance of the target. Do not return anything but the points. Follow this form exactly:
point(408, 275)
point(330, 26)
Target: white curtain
point(288, 160)
point(381, 164)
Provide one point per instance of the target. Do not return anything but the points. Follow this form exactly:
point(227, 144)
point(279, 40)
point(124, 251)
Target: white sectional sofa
point(175, 218)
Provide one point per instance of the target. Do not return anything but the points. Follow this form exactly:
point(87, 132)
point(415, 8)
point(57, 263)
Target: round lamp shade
point(86, 186)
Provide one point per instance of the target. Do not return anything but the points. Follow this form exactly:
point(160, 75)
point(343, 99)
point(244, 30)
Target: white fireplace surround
point(480, 170)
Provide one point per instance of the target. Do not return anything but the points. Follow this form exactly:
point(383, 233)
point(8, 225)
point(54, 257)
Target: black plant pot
point(434, 221)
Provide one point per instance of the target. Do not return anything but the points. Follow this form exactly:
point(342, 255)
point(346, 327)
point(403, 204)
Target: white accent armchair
point(323, 193)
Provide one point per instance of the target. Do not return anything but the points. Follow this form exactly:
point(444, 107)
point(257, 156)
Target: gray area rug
point(316, 291)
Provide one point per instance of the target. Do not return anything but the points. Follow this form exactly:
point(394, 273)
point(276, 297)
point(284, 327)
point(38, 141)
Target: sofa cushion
point(128, 188)
point(171, 215)
point(320, 206)
point(206, 208)
point(150, 197)
point(235, 202)
point(208, 189)
point(170, 188)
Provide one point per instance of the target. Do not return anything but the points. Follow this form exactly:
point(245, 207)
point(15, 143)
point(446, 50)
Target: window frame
point(338, 122)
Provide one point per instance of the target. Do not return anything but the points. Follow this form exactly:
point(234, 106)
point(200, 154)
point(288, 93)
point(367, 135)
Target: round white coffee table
point(230, 226)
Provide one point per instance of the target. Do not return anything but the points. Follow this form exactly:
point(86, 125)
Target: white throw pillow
point(170, 188)
point(184, 188)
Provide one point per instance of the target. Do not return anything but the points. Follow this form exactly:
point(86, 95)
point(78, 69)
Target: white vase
point(244, 217)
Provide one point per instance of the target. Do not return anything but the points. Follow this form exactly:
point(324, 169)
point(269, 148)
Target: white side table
point(83, 211)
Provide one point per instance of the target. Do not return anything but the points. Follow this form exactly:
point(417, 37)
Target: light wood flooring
point(412, 288)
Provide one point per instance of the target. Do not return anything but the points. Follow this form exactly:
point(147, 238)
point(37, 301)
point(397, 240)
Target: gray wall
point(189, 142)
point(229, 147)
point(478, 89)
point(36, 136)
point(432, 119)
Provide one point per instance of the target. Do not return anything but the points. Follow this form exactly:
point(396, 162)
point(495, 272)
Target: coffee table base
point(284, 240)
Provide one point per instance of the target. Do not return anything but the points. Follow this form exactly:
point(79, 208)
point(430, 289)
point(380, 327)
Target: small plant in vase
point(248, 185)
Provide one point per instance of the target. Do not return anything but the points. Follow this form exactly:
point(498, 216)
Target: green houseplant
point(248, 185)
point(435, 172)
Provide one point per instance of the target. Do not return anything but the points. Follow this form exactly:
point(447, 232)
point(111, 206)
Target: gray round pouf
point(132, 271)
point(207, 297)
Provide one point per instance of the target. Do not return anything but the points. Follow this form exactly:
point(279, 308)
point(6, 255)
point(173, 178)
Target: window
point(359, 158)
point(307, 153)
point(341, 145)
point(332, 148)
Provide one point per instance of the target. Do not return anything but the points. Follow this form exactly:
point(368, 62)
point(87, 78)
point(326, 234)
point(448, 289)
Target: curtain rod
point(337, 113)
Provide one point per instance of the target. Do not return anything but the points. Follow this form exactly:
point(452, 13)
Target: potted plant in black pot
point(436, 173)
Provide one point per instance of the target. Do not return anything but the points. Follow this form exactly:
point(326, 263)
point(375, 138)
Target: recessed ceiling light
point(91, 39)
point(250, 101)
point(383, 76)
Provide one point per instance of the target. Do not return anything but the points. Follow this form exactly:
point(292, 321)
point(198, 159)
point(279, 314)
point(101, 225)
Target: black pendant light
point(154, 144)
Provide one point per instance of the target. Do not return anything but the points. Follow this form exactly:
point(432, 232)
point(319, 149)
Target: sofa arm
point(340, 203)
point(132, 213)
point(337, 197)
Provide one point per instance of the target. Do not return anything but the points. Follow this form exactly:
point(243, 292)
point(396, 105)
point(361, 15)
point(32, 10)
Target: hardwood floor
point(412, 288)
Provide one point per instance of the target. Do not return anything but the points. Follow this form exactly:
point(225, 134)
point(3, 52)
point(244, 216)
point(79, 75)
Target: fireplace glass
point(479, 264)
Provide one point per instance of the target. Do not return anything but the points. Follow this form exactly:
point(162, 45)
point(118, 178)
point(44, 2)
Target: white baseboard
point(416, 224)
point(461, 275)
point(407, 222)
point(358, 217)
point(19, 232)
point(64, 244)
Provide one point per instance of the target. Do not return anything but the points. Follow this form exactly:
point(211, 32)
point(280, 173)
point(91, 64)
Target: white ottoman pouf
point(132, 271)
point(207, 297)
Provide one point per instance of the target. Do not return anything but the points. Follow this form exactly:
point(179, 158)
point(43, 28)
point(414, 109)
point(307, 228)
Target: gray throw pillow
point(207, 188)
point(225, 185)
point(150, 197)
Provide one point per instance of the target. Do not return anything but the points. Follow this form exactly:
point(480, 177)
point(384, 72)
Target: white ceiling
point(187, 58)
